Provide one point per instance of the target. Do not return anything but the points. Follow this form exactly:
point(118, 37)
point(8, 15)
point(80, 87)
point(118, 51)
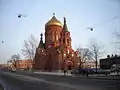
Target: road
point(31, 81)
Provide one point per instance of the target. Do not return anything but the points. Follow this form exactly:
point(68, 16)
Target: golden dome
point(53, 21)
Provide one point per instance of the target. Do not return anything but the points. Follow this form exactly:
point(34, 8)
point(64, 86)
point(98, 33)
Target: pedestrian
point(64, 72)
point(87, 73)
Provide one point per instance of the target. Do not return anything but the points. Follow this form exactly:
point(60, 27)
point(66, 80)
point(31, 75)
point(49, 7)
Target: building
point(21, 64)
point(56, 53)
point(3, 66)
point(85, 61)
point(90, 64)
point(109, 61)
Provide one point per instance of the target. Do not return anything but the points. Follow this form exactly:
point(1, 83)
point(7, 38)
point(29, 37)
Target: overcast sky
point(101, 15)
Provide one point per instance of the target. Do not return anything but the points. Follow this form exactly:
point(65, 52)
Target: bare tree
point(84, 55)
point(14, 58)
point(117, 43)
point(30, 46)
point(96, 52)
point(118, 34)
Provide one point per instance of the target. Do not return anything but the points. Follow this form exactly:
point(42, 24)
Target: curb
point(89, 77)
point(104, 78)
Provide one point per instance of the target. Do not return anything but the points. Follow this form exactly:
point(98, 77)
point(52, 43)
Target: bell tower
point(65, 36)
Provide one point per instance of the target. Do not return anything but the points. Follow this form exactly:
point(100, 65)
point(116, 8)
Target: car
point(80, 71)
point(12, 70)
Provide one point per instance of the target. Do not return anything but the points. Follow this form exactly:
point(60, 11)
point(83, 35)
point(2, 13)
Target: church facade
point(56, 53)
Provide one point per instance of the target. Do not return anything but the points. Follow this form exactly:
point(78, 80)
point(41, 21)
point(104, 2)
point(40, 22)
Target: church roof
point(41, 44)
point(65, 25)
point(53, 21)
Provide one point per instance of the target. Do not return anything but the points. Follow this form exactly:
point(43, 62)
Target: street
point(31, 81)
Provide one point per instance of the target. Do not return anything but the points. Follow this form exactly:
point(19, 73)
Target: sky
point(80, 15)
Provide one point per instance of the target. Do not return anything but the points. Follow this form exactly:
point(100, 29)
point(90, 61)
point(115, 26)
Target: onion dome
point(53, 21)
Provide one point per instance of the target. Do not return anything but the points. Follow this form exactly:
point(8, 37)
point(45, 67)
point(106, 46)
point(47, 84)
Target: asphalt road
point(30, 81)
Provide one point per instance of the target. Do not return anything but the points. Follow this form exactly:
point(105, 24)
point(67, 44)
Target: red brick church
point(56, 53)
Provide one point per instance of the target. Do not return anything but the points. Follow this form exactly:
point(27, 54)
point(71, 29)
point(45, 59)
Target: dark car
point(80, 71)
point(100, 71)
point(91, 71)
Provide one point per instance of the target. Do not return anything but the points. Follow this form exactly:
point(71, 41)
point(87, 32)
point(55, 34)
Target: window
point(68, 51)
point(56, 37)
point(63, 40)
point(50, 38)
point(60, 40)
point(53, 36)
point(68, 41)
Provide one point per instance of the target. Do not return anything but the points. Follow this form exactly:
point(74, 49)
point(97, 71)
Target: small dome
point(53, 21)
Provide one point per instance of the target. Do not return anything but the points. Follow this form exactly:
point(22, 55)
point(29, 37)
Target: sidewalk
point(95, 76)
point(53, 73)
point(106, 77)
point(102, 77)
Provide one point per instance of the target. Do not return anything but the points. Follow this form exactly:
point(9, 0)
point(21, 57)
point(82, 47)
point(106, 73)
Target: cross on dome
point(53, 14)
point(41, 34)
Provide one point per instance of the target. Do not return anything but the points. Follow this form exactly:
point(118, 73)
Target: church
point(56, 52)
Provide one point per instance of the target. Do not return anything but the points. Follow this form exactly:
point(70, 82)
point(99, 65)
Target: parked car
point(82, 71)
point(101, 71)
point(12, 69)
point(115, 69)
point(89, 71)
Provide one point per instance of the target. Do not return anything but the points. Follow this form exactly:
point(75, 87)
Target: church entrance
point(69, 65)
